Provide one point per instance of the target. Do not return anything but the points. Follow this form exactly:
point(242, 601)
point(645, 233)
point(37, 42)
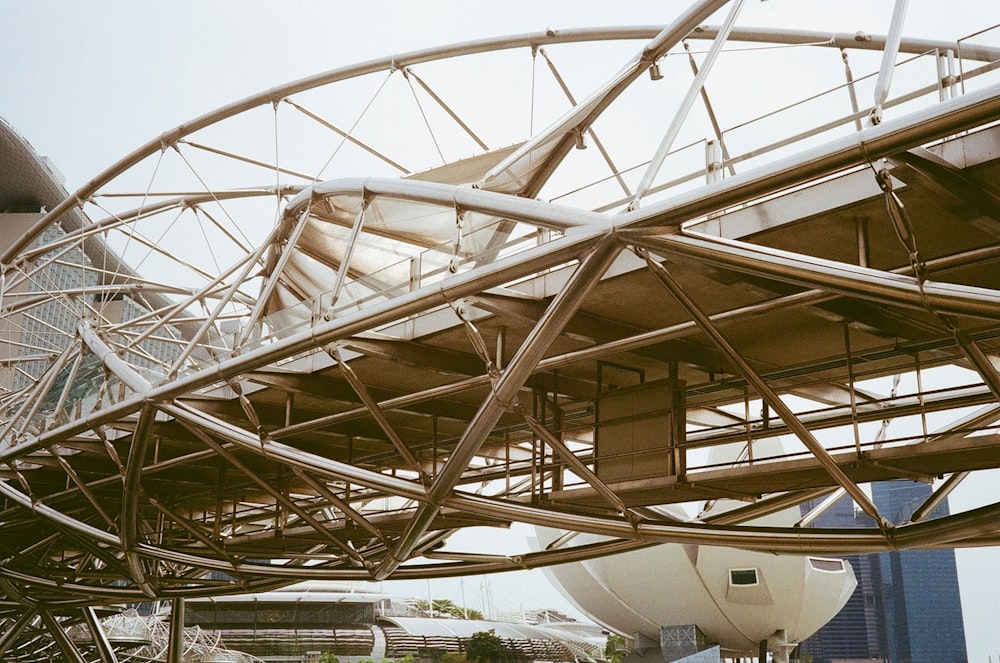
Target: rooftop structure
point(319, 329)
point(297, 624)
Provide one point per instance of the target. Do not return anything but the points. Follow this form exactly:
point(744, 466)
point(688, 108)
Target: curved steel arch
point(396, 359)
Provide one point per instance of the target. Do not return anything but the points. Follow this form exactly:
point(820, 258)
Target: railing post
point(415, 272)
point(713, 161)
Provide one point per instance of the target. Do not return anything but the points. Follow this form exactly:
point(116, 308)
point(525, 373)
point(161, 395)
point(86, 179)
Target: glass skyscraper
point(907, 607)
point(920, 587)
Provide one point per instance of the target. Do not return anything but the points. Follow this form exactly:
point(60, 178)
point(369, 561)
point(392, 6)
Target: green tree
point(327, 657)
point(614, 648)
point(485, 647)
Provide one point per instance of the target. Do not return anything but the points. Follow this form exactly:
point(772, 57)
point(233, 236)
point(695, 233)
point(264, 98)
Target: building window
point(743, 577)
point(824, 564)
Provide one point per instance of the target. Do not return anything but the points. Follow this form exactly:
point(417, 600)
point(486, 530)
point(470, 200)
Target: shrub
point(485, 647)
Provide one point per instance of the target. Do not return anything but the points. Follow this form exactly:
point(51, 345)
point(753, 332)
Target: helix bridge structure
point(546, 278)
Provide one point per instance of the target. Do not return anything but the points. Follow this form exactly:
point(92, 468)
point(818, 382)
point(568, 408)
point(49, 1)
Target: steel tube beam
point(527, 210)
point(980, 362)
point(81, 595)
point(680, 116)
point(18, 302)
point(984, 521)
point(82, 487)
point(809, 298)
point(98, 636)
point(889, 137)
point(275, 271)
point(575, 464)
point(840, 278)
point(15, 629)
point(889, 58)
point(279, 497)
point(56, 517)
point(774, 539)
point(848, 41)
point(345, 260)
point(821, 508)
point(346, 135)
point(347, 509)
point(766, 393)
point(376, 412)
point(175, 642)
point(118, 366)
point(58, 633)
point(33, 399)
point(938, 496)
point(766, 506)
point(504, 392)
point(292, 456)
point(130, 499)
point(191, 528)
point(529, 40)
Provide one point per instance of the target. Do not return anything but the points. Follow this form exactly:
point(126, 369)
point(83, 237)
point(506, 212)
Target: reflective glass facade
point(907, 607)
point(919, 587)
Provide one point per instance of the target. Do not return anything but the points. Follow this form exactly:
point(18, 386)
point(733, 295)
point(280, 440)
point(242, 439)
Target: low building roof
point(465, 628)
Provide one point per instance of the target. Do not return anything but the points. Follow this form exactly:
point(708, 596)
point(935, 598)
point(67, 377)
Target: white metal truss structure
point(139, 638)
point(545, 278)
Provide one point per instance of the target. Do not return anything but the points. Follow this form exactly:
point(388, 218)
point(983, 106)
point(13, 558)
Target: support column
point(65, 645)
point(175, 648)
point(100, 638)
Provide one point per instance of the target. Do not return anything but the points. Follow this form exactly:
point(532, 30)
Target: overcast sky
point(88, 82)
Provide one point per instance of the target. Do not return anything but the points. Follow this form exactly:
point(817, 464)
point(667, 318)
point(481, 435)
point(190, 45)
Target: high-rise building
point(37, 329)
point(858, 631)
point(907, 607)
point(919, 587)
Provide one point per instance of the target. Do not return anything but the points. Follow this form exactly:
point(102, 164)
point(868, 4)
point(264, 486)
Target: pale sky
point(86, 82)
